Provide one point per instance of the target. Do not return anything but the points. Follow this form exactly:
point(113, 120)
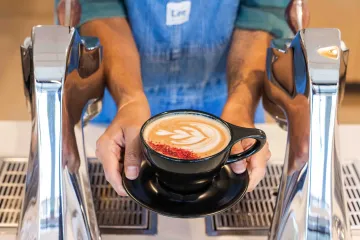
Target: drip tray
point(253, 214)
point(115, 215)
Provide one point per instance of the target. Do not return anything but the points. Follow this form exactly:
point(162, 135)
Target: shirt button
point(175, 54)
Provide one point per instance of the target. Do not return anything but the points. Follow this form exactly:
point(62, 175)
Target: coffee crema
point(198, 136)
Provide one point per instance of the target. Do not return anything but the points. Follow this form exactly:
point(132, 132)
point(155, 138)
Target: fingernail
point(239, 168)
point(132, 172)
point(250, 189)
point(121, 191)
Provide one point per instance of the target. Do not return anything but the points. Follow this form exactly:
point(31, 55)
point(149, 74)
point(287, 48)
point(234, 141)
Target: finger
point(256, 175)
point(108, 152)
point(247, 143)
point(257, 166)
point(120, 188)
point(239, 167)
point(133, 154)
point(237, 148)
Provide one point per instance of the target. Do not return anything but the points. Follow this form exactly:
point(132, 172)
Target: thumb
point(133, 155)
point(239, 166)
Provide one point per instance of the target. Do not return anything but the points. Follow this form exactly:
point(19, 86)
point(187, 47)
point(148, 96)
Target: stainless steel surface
point(62, 79)
point(12, 180)
point(118, 215)
point(115, 215)
point(303, 82)
point(252, 215)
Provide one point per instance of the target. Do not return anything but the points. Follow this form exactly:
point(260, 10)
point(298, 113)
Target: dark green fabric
point(266, 15)
point(93, 9)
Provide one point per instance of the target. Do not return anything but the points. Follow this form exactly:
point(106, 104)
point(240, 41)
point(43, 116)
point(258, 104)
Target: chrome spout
point(63, 84)
point(302, 92)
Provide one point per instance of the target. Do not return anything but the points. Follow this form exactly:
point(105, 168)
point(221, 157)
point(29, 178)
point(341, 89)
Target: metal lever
point(304, 86)
point(63, 77)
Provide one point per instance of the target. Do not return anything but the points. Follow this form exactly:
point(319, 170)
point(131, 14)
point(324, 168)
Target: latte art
point(198, 134)
point(198, 138)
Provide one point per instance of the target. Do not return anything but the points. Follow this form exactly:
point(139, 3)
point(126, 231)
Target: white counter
point(15, 139)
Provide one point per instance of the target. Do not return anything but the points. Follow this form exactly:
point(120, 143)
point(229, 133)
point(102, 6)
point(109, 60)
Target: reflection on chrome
point(63, 83)
point(330, 52)
point(303, 90)
point(297, 15)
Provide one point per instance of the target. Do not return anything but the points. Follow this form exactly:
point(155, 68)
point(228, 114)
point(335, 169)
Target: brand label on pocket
point(177, 12)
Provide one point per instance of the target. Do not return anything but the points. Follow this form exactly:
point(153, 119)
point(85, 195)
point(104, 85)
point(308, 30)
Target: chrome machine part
point(63, 78)
point(115, 215)
point(252, 215)
point(304, 82)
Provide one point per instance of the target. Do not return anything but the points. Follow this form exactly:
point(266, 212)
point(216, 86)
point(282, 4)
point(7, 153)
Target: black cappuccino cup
point(191, 176)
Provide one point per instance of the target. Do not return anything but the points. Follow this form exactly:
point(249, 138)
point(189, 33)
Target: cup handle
point(240, 133)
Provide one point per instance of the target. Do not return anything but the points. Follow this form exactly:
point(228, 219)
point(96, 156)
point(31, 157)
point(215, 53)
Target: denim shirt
point(183, 46)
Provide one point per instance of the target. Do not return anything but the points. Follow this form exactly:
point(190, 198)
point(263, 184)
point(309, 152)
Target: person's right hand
point(119, 146)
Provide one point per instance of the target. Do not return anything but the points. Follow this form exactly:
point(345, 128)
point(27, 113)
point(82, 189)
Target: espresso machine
point(303, 89)
point(65, 194)
point(63, 84)
point(304, 85)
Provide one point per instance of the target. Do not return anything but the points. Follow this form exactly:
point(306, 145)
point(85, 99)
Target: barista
point(163, 55)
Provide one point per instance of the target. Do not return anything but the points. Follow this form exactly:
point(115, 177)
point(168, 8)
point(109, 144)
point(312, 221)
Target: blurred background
point(17, 17)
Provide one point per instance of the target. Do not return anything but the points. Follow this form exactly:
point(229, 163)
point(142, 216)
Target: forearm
point(121, 58)
point(245, 72)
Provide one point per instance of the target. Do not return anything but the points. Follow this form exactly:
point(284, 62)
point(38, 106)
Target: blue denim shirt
point(183, 46)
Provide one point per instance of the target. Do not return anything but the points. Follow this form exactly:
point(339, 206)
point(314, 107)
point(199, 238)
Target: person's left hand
point(256, 164)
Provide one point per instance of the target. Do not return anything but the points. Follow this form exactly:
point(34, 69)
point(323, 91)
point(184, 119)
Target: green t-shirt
point(266, 15)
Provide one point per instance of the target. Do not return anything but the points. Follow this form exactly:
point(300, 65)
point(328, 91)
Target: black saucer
point(227, 189)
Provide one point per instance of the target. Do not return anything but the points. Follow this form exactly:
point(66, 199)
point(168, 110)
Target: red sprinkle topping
point(173, 151)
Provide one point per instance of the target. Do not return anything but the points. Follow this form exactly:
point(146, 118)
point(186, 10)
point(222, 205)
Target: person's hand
point(255, 164)
point(121, 142)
